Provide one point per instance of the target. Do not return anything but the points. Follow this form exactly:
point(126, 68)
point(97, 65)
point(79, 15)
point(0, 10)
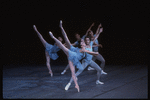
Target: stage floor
point(35, 82)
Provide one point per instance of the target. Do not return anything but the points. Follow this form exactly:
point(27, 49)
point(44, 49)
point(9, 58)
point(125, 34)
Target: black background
point(124, 39)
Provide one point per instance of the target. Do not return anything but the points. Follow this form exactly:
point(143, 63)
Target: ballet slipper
point(77, 87)
point(51, 73)
point(51, 34)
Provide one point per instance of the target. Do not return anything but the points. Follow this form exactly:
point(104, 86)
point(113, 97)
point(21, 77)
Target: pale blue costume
point(52, 50)
point(75, 56)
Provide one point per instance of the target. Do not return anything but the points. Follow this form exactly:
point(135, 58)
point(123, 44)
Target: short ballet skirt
point(73, 57)
point(52, 51)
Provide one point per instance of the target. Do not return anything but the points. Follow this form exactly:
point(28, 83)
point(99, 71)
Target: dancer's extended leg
point(48, 63)
point(40, 36)
point(65, 35)
point(61, 46)
point(66, 51)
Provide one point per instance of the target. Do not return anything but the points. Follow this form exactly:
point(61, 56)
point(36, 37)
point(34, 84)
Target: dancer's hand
point(100, 25)
point(60, 25)
point(96, 53)
point(100, 45)
point(82, 50)
point(101, 29)
point(65, 44)
point(92, 24)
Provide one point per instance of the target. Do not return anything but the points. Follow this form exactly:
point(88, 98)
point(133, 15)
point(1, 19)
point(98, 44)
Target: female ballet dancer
point(72, 57)
point(50, 50)
point(93, 64)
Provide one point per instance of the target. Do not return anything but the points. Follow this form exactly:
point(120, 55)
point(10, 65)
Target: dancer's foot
point(98, 82)
point(77, 87)
point(67, 86)
point(63, 72)
point(51, 73)
point(51, 34)
point(60, 25)
point(102, 72)
point(34, 27)
point(90, 68)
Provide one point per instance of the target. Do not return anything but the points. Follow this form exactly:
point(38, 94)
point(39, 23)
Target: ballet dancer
point(50, 50)
point(72, 57)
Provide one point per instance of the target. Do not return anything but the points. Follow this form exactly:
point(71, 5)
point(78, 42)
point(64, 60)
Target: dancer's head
point(91, 34)
point(60, 39)
point(82, 43)
point(87, 40)
point(77, 36)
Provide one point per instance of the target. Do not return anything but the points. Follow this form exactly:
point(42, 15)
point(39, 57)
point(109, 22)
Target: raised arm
point(97, 31)
point(100, 31)
point(89, 29)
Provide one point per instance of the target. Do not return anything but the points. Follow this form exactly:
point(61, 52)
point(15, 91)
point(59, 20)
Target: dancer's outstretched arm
point(89, 29)
point(65, 35)
point(92, 53)
point(97, 31)
point(100, 31)
point(97, 45)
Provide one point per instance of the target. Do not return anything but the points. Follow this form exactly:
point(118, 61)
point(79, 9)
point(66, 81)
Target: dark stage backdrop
point(124, 39)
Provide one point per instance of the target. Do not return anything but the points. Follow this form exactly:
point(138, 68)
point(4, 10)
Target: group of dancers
point(80, 54)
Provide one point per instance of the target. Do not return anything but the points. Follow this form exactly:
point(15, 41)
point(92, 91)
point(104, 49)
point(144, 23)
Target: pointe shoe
point(51, 74)
point(77, 87)
point(51, 34)
point(63, 72)
point(102, 72)
point(67, 86)
point(98, 82)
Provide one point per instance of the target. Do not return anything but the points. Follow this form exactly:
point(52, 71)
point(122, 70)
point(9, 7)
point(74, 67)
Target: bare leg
point(65, 35)
point(72, 68)
point(61, 46)
point(40, 36)
point(48, 63)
